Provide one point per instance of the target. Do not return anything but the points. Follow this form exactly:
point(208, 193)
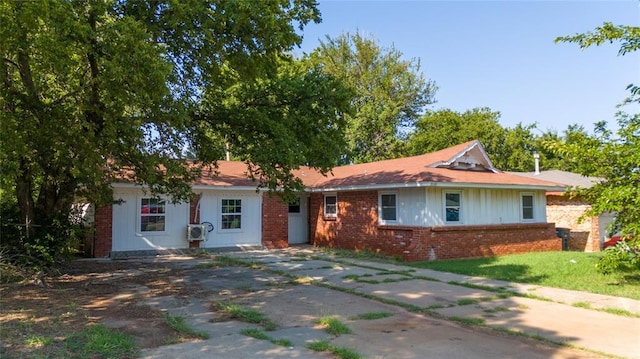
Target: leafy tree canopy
point(615, 158)
point(510, 149)
point(94, 91)
point(390, 94)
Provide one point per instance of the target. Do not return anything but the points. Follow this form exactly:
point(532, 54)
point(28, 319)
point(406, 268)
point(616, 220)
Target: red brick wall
point(493, 240)
point(275, 222)
point(103, 231)
point(193, 211)
point(356, 223)
point(567, 212)
point(357, 228)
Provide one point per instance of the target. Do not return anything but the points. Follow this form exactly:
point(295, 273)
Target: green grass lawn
point(568, 270)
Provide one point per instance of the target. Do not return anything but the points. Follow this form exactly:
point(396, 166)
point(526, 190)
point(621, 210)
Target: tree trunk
point(24, 193)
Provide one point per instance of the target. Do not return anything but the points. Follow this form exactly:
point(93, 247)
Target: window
point(452, 206)
point(152, 214)
point(330, 206)
point(526, 200)
point(388, 207)
point(231, 214)
point(294, 207)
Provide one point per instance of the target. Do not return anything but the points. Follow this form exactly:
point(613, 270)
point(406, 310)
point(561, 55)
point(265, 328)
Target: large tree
point(613, 157)
point(91, 91)
point(510, 149)
point(390, 94)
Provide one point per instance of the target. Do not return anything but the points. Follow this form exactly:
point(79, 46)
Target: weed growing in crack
point(334, 326)
point(469, 321)
point(178, 324)
point(246, 315)
point(340, 352)
point(372, 316)
point(496, 310)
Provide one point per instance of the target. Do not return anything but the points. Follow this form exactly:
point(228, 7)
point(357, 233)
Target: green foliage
point(294, 116)
point(178, 324)
point(568, 270)
point(439, 129)
point(373, 315)
point(247, 315)
point(510, 149)
point(98, 341)
point(93, 92)
point(319, 346)
point(334, 325)
point(345, 353)
point(469, 321)
point(258, 334)
point(390, 94)
point(34, 251)
point(614, 158)
point(254, 333)
point(628, 36)
point(623, 257)
point(340, 352)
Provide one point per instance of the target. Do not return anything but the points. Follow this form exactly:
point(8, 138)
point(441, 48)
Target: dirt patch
point(37, 319)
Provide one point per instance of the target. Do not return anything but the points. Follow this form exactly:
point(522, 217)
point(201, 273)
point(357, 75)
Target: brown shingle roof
point(402, 172)
point(227, 174)
point(414, 171)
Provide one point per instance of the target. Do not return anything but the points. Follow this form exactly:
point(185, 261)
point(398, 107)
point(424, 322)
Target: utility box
point(564, 233)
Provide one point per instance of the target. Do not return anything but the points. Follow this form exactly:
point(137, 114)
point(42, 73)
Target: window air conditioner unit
point(197, 232)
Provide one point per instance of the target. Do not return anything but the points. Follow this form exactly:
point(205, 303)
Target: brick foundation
point(356, 228)
point(103, 231)
point(275, 222)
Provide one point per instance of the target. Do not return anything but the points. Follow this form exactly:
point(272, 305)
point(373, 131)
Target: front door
point(298, 221)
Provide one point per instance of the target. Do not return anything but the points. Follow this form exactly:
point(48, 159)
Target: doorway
point(298, 220)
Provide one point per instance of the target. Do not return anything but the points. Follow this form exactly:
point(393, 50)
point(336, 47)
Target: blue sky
point(501, 54)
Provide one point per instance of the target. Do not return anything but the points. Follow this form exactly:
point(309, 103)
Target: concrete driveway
point(429, 314)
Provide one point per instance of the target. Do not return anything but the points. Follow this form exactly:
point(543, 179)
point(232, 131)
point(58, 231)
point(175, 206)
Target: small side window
point(388, 207)
point(526, 201)
point(453, 207)
point(330, 206)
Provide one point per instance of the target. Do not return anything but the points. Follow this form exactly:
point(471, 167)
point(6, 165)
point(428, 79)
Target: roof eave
point(379, 186)
point(200, 187)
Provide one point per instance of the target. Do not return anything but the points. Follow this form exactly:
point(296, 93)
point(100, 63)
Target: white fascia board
point(197, 187)
point(436, 184)
point(229, 188)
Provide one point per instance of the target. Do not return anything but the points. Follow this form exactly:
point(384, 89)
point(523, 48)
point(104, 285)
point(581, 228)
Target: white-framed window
point(152, 214)
point(526, 207)
point(331, 205)
point(388, 207)
point(231, 212)
point(453, 207)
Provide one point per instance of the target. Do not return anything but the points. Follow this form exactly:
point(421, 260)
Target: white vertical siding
point(425, 206)
point(412, 207)
point(250, 232)
point(126, 234)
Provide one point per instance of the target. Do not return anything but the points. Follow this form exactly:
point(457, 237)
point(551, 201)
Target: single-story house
point(565, 211)
point(448, 204)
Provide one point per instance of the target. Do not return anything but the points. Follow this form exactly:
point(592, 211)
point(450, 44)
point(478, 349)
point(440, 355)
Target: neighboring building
point(448, 204)
point(584, 235)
